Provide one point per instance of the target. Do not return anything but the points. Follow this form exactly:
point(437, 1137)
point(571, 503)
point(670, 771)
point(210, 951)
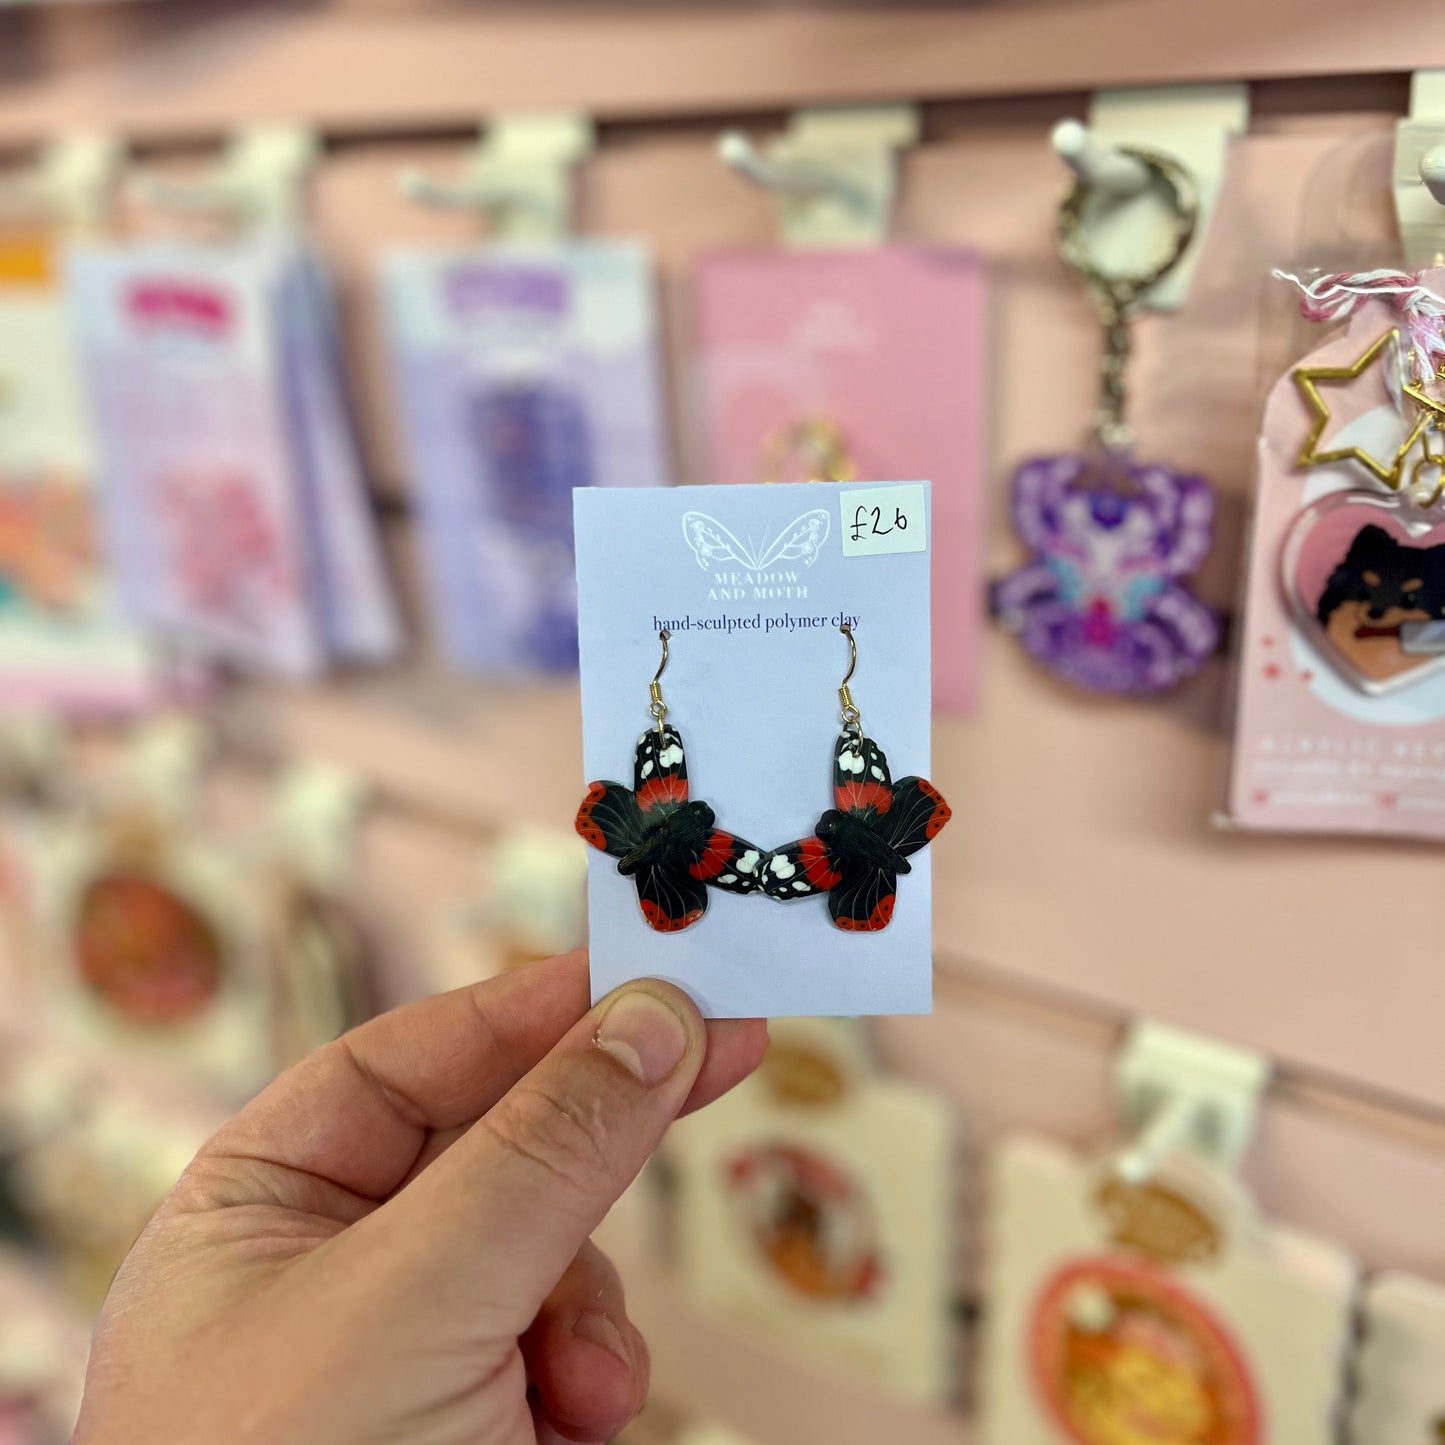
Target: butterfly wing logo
point(801, 540)
point(712, 543)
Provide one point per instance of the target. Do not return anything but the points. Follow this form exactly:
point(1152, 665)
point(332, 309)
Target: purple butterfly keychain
point(1102, 601)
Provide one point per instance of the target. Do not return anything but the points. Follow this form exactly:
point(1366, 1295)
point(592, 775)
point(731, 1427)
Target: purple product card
point(753, 583)
point(524, 374)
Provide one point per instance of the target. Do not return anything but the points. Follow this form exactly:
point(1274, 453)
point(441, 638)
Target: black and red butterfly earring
point(864, 841)
point(666, 844)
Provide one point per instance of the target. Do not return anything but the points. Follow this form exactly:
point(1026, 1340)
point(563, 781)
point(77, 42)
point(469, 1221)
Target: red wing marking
point(586, 827)
point(664, 788)
point(715, 857)
point(881, 917)
point(941, 811)
point(855, 797)
point(817, 866)
point(662, 923)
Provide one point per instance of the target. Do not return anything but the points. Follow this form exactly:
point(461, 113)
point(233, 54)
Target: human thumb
point(495, 1221)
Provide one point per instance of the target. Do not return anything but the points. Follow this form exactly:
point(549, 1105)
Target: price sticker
point(882, 520)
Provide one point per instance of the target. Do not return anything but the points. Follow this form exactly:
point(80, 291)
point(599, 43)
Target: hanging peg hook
point(1432, 173)
point(520, 175)
point(259, 180)
point(833, 170)
point(739, 153)
point(1183, 1093)
point(1106, 168)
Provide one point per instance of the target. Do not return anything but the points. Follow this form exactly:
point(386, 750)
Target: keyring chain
point(1117, 296)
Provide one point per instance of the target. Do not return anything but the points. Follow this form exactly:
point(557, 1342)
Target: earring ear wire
point(852, 718)
point(658, 708)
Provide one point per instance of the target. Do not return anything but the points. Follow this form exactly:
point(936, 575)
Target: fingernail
point(598, 1330)
point(645, 1036)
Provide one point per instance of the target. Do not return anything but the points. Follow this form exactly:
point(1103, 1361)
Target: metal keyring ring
point(1184, 195)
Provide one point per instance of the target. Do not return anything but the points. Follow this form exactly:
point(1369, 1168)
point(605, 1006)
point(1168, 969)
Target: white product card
point(816, 1211)
point(753, 584)
point(1161, 1314)
point(1400, 1368)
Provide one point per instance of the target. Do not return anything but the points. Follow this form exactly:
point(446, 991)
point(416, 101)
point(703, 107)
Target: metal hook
point(852, 718)
point(658, 708)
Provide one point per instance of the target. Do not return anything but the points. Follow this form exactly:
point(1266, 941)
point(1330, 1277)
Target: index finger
point(358, 1112)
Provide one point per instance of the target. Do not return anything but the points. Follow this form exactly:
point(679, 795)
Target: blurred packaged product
point(90, 1184)
point(63, 643)
point(1399, 1374)
point(321, 953)
point(1119, 1311)
point(237, 515)
point(524, 373)
point(860, 365)
point(149, 944)
point(532, 905)
point(44, 1342)
point(815, 1210)
point(1340, 718)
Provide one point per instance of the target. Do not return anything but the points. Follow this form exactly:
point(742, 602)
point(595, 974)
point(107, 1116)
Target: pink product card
point(1340, 725)
point(887, 349)
point(231, 488)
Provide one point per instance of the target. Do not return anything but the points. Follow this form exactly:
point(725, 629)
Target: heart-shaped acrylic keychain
point(1365, 576)
point(1364, 569)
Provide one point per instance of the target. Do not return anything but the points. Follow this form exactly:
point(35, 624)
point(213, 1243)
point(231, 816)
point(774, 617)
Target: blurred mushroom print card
point(235, 506)
point(815, 1211)
point(62, 641)
point(859, 365)
point(1162, 1312)
point(1400, 1368)
point(523, 374)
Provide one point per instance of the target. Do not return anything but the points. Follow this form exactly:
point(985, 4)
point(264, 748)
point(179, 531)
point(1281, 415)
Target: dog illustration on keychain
point(671, 848)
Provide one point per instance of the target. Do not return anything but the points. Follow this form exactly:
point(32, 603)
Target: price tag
point(882, 520)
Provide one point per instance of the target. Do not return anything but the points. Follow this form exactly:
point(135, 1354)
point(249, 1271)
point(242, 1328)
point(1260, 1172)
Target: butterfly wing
point(712, 543)
point(660, 770)
point(861, 781)
point(802, 539)
point(799, 870)
point(610, 819)
point(727, 862)
point(916, 817)
point(863, 900)
point(671, 898)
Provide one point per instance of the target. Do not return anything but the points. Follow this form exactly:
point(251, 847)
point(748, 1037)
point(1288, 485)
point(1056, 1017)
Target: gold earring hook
point(658, 708)
point(852, 718)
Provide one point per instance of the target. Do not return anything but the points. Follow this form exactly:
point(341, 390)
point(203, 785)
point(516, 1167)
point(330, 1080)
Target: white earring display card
point(1156, 1314)
point(809, 888)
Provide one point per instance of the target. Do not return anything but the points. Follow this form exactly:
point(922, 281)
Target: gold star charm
point(1307, 378)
